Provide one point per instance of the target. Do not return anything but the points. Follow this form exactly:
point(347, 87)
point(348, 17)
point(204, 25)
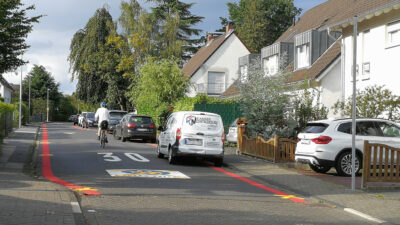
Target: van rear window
point(315, 128)
point(202, 122)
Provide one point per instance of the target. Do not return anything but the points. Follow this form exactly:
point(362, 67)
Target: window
point(393, 34)
point(366, 54)
point(216, 83)
point(243, 73)
point(315, 128)
point(389, 130)
point(367, 128)
point(271, 66)
point(303, 56)
point(345, 128)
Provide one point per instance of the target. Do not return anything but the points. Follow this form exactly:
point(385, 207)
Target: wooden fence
point(275, 149)
point(380, 163)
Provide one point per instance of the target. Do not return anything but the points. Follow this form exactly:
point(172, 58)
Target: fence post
point(240, 138)
point(366, 164)
point(276, 149)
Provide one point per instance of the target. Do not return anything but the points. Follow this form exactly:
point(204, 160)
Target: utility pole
point(29, 103)
point(47, 105)
point(20, 102)
point(353, 128)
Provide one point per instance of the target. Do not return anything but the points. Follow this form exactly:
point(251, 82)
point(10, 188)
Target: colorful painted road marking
point(274, 191)
point(48, 172)
point(147, 173)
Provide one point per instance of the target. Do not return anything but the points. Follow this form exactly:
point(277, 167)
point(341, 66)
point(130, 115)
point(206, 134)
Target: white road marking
point(136, 157)
point(363, 215)
point(109, 157)
point(147, 173)
point(75, 207)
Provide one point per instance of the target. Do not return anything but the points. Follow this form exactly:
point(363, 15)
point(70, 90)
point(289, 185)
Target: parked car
point(196, 134)
point(72, 118)
point(327, 143)
point(232, 136)
point(89, 120)
point(115, 117)
point(134, 126)
point(76, 119)
point(80, 119)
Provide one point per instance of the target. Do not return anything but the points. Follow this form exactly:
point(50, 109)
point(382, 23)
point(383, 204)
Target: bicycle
point(103, 136)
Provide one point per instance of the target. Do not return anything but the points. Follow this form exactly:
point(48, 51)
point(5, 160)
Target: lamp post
point(20, 102)
point(29, 103)
point(47, 105)
point(353, 126)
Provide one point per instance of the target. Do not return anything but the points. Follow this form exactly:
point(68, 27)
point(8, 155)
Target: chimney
point(230, 27)
point(210, 37)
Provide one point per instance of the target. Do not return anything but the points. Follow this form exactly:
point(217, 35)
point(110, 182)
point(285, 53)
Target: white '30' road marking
point(109, 157)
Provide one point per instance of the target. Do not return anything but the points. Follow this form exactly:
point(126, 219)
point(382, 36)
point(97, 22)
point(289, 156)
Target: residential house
point(378, 44)
point(214, 67)
point(6, 90)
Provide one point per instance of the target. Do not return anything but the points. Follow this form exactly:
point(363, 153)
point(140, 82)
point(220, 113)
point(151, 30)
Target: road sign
point(147, 173)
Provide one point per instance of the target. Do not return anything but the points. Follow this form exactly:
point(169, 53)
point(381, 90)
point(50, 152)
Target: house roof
point(6, 84)
point(318, 67)
point(331, 13)
point(204, 53)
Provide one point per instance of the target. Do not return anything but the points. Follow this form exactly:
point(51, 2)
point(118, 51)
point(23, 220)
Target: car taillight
point(298, 140)
point(178, 134)
point(130, 125)
point(322, 140)
point(152, 126)
point(223, 137)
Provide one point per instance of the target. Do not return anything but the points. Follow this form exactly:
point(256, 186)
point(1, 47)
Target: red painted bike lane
point(48, 172)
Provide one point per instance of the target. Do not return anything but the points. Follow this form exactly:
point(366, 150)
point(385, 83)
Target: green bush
point(187, 103)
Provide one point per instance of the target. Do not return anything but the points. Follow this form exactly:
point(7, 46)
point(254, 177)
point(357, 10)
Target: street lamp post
point(29, 103)
point(47, 105)
point(20, 103)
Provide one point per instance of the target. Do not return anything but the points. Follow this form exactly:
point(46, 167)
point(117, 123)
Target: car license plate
point(197, 142)
point(305, 142)
point(212, 144)
point(142, 129)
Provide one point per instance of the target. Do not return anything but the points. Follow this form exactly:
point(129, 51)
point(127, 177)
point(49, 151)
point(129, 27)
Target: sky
point(50, 39)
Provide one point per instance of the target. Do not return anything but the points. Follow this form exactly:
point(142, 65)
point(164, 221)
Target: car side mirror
point(160, 128)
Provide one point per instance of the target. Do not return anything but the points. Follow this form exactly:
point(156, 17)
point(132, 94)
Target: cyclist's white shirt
point(101, 115)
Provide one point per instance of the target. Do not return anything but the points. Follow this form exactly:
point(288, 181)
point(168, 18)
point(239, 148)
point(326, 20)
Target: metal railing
point(210, 88)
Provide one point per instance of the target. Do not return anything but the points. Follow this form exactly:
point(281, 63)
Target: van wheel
point(319, 169)
point(343, 164)
point(171, 158)
point(218, 162)
point(123, 139)
point(159, 154)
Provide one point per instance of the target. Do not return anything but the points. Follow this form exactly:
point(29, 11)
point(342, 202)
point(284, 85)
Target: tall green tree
point(260, 22)
point(161, 83)
point(15, 25)
point(40, 80)
point(176, 28)
point(84, 58)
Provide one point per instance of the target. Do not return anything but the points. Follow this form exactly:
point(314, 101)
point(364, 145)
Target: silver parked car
point(232, 135)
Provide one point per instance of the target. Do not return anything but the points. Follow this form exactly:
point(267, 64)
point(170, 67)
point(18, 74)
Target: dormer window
point(393, 34)
point(303, 56)
point(271, 65)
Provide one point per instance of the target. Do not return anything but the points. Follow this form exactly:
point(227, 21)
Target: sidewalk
point(24, 199)
point(384, 205)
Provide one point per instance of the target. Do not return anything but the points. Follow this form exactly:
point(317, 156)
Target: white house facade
point(378, 52)
point(5, 90)
point(215, 67)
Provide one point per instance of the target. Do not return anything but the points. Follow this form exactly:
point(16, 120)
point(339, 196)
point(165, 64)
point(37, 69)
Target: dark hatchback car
point(115, 117)
point(134, 126)
point(88, 120)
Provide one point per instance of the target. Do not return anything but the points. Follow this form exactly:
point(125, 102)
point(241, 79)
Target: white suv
point(327, 143)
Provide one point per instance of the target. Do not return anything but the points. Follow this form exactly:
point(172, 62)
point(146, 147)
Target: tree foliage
point(161, 83)
point(84, 57)
point(15, 26)
point(40, 80)
point(260, 22)
point(372, 102)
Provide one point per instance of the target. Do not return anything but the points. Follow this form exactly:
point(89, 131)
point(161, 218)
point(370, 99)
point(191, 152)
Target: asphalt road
point(205, 196)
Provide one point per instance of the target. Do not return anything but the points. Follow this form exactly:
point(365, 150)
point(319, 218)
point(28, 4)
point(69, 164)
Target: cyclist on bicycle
point(103, 117)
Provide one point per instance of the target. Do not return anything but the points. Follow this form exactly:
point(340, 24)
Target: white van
point(188, 134)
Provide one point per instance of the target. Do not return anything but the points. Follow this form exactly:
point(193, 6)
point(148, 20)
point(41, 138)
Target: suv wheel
point(171, 158)
point(319, 169)
point(343, 164)
point(159, 154)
